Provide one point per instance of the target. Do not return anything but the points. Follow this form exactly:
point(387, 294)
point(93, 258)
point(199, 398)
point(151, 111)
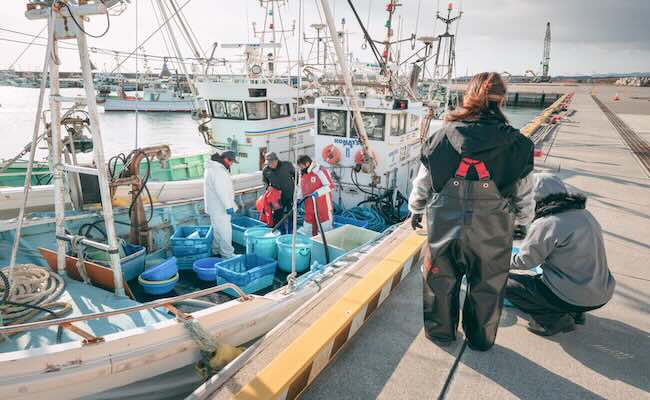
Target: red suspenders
point(479, 166)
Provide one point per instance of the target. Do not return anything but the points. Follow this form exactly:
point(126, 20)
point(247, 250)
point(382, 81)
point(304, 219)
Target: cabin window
point(299, 106)
point(413, 121)
point(402, 124)
point(256, 110)
point(375, 124)
point(279, 110)
point(227, 109)
point(310, 112)
point(332, 122)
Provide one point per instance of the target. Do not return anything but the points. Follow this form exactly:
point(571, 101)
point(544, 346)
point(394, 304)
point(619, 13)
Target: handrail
point(534, 124)
point(8, 330)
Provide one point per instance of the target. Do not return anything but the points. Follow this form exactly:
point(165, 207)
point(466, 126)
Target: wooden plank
point(99, 275)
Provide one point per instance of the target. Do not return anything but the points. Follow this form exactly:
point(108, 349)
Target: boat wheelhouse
point(392, 127)
point(252, 119)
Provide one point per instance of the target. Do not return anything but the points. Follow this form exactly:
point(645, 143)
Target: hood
point(546, 185)
point(483, 139)
point(559, 202)
point(210, 164)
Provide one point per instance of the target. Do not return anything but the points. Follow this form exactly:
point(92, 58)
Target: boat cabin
point(392, 127)
point(252, 119)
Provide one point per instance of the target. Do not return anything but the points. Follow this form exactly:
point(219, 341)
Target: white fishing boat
point(73, 328)
point(156, 97)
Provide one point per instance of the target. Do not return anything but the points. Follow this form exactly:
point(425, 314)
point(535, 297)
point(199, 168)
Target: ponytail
point(485, 94)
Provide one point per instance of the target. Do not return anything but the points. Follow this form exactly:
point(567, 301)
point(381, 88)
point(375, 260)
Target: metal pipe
point(11, 329)
point(30, 165)
point(102, 173)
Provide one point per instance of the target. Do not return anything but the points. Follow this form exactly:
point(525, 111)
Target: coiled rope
point(31, 291)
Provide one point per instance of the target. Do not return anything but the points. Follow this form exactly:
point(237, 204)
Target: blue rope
point(375, 220)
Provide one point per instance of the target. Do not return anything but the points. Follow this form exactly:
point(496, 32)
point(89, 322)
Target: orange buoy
point(331, 154)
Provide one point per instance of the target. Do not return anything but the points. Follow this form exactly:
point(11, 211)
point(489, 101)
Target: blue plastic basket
point(184, 244)
point(340, 221)
point(162, 271)
point(206, 268)
point(250, 272)
point(239, 226)
point(132, 263)
point(186, 262)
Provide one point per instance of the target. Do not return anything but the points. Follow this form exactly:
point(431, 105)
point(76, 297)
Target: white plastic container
point(340, 241)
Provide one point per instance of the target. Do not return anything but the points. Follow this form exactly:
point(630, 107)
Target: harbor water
point(18, 105)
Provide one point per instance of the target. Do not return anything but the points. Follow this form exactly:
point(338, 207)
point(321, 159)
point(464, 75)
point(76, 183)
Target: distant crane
point(546, 58)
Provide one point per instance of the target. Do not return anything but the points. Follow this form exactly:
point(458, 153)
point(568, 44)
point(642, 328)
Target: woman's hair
point(484, 95)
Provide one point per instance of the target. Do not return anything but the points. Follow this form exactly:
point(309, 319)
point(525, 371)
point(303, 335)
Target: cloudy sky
point(589, 36)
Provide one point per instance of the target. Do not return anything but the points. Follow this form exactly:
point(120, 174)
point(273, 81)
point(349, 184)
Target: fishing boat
point(156, 97)
point(91, 330)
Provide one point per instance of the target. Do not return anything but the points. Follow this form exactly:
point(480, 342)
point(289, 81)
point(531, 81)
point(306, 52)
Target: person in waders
point(475, 185)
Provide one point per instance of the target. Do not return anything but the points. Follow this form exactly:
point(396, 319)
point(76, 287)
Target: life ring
point(331, 154)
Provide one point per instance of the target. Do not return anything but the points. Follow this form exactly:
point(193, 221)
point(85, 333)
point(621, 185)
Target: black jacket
point(507, 153)
point(281, 178)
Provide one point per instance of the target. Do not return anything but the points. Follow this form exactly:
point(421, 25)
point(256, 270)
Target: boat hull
point(148, 106)
point(73, 370)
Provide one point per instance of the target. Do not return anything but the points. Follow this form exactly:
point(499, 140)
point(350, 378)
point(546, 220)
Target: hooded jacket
point(218, 190)
point(567, 241)
point(507, 154)
point(282, 179)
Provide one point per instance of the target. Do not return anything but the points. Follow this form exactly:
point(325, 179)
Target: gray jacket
point(522, 200)
point(567, 242)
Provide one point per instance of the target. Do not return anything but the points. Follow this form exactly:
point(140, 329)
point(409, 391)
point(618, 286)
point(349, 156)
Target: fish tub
point(158, 287)
point(340, 241)
point(132, 258)
point(206, 268)
point(250, 272)
point(261, 241)
point(239, 226)
point(162, 271)
point(303, 252)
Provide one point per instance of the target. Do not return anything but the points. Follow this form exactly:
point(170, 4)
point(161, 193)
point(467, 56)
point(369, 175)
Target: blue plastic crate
point(239, 226)
point(132, 263)
point(186, 262)
point(250, 272)
point(340, 221)
point(183, 243)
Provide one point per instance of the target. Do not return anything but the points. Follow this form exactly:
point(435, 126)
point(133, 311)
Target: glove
point(519, 233)
point(416, 220)
point(230, 211)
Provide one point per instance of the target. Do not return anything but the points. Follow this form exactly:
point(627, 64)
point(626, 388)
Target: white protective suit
point(219, 195)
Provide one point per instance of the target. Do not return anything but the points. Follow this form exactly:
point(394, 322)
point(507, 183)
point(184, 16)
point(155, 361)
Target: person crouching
point(566, 241)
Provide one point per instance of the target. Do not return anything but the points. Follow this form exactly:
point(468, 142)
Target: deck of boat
point(609, 357)
point(86, 299)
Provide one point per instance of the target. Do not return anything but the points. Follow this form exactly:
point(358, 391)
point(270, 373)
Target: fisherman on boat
point(475, 184)
point(280, 175)
point(567, 242)
point(220, 203)
point(316, 186)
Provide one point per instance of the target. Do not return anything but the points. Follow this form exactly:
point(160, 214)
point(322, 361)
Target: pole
point(102, 173)
point(345, 71)
point(30, 165)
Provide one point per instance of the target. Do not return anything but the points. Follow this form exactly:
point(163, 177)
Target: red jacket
point(267, 203)
point(318, 180)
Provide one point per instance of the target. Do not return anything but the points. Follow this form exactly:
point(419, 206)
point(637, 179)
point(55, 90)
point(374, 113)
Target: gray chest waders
point(469, 226)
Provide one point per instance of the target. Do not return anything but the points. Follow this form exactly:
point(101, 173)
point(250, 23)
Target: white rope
point(32, 285)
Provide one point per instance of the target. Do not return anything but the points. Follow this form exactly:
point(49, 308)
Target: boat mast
point(345, 71)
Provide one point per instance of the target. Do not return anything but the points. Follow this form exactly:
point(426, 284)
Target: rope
point(32, 290)
point(214, 355)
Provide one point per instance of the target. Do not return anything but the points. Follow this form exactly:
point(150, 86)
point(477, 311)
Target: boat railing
point(168, 302)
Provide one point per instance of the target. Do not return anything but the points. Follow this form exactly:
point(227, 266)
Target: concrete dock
point(608, 358)
point(388, 356)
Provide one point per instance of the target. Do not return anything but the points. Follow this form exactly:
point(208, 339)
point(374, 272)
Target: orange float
point(331, 154)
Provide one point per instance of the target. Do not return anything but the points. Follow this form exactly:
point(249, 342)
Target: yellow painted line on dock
point(291, 372)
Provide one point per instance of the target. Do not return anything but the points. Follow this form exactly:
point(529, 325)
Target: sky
point(588, 36)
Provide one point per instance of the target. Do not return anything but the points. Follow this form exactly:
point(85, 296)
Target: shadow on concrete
point(520, 376)
point(611, 348)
